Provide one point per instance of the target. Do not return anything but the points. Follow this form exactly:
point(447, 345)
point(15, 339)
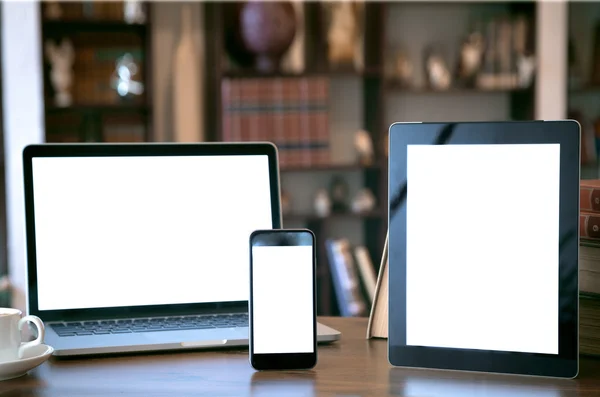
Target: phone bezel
point(281, 360)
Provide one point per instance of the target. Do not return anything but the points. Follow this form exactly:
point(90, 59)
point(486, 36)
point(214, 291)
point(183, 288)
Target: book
point(589, 195)
point(378, 319)
point(345, 281)
point(365, 268)
point(291, 112)
point(589, 266)
point(589, 324)
point(589, 225)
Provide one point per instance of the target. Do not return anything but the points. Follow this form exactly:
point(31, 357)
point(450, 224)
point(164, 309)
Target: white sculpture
point(364, 147)
point(61, 59)
point(363, 202)
point(133, 11)
point(343, 32)
point(526, 70)
point(438, 73)
point(322, 203)
point(122, 79)
point(471, 56)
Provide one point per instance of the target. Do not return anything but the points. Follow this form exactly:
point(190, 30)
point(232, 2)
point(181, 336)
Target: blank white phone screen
point(482, 259)
point(282, 299)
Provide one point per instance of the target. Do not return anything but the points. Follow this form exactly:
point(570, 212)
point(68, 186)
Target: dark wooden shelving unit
point(455, 90)
point(585, 89)
point(110, 108)
point(92, 25)
point(583, 98)
point(97, 114)
point(312, 217)
point(375, 93)
point(334, 167)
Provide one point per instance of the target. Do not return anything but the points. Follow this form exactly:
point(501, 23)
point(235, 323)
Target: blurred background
point(322, 80)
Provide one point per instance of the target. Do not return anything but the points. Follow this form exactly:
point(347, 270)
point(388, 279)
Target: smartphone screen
point(282, 299)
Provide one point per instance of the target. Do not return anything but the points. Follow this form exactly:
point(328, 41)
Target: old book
point(378, 320)
point(366, 270)
point(345, 281)
point(589, 195)
point(589, 324)
point(589, 225)
point(293, 113)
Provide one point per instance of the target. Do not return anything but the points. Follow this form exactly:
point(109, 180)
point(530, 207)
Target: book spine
point(589, 226)
point(589, 198)
point(337, 278)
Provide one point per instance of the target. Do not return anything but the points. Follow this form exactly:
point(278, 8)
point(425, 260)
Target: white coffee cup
point(11, 324)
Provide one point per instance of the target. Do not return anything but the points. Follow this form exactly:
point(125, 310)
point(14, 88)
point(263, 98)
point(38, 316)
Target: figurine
point(526, 70)
point(437, 72)
point(363, 202)
point(471, 59)
point(61, 59)
point(339, 194)
point(122, 79)
point(133, 11)
point(5, 291)
point(364, 147)
point(322, 203)
point(53, 10)
point(402, 70)
point(286, 202)
point(342, 35)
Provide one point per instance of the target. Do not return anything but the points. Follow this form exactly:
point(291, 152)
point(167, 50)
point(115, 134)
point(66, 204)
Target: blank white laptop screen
point(129, 231)
point(484, 296)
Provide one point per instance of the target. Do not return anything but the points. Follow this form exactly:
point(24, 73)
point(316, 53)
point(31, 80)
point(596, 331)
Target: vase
point(267, 29)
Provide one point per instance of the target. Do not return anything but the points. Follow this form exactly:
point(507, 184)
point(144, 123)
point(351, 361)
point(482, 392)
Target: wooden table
point(350, 367)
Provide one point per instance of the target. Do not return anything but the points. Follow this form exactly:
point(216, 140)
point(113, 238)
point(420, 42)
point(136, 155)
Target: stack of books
point(589, 267)
point(353, 277)
point(291, 112)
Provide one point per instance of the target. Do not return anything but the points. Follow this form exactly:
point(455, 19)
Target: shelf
point(585, 89)
point(238, 74)
point(332, 168)
point(91, 25)
point(311, 217)
point(397, 89)
point(114, 108)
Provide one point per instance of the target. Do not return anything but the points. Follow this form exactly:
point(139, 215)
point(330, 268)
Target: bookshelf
point(367, 98)
point(3, 218)
point(109, 65)
point(583, 88)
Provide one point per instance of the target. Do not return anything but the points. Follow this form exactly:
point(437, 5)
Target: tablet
point(483, 246)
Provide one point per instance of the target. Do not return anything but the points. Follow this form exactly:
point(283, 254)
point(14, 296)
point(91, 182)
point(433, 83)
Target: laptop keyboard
point(154, 324)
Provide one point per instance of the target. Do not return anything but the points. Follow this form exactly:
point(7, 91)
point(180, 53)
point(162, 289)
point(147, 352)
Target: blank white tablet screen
point(482, 247)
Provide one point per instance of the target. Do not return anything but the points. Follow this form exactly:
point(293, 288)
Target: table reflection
point(413, 383)
point(274, 383)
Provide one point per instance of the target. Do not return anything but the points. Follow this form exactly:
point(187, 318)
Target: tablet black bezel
point(567, 134)
point(135, 149)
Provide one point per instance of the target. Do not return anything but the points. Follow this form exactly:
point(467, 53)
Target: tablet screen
point(483, 246)
point(491, 212)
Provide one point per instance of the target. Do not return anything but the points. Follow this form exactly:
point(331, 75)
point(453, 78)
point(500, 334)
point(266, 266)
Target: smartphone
point(282, 304)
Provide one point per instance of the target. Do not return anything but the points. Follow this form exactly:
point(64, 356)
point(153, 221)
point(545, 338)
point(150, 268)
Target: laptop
point(144, 247)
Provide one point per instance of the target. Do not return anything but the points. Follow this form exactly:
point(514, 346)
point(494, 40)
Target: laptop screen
point(146, 230)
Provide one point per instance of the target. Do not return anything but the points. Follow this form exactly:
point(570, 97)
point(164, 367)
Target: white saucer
point(34, 356)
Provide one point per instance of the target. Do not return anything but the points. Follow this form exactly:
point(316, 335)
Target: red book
point(589, 195)
point(589, 225)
